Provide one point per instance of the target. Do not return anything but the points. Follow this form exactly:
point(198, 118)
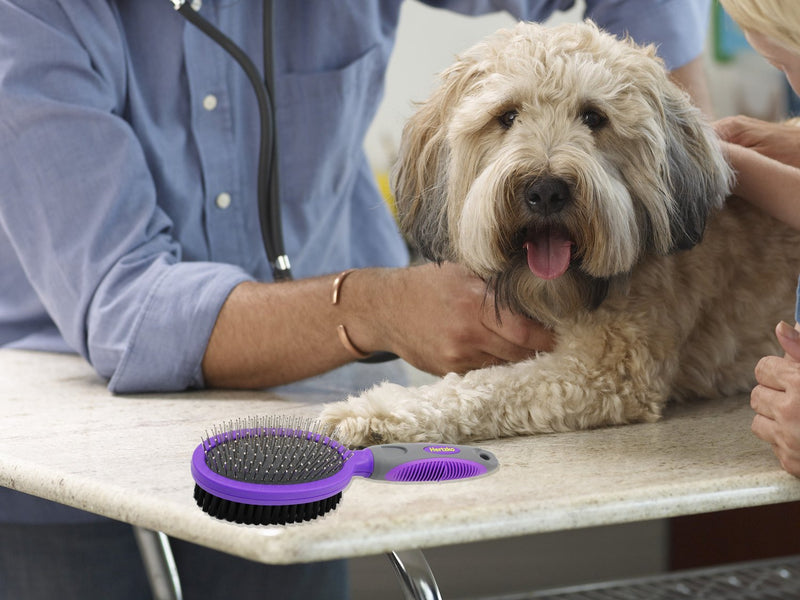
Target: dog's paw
point(385, 414)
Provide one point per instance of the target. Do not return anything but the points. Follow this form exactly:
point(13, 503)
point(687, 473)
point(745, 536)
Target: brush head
point(265, 470)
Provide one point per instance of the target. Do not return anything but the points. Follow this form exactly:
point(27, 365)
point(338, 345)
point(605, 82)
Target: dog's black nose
point(547, 196)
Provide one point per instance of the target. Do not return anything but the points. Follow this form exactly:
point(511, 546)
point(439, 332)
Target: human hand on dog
point(776, 399)
point(779, 141)
point(445, 321)
point(766, 182)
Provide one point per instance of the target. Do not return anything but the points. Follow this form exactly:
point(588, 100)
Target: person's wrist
point(341, 328)
point(360, 323)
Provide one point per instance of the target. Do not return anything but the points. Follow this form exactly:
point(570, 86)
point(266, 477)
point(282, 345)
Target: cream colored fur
point(647, 311)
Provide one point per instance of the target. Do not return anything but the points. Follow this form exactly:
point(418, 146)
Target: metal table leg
point(415, 574)
point(410, 566)
point(159, 564)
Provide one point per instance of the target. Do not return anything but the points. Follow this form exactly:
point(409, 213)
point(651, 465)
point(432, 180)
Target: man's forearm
point(438, 318)
point(273, 333)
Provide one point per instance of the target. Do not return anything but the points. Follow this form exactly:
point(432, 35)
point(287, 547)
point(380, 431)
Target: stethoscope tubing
point(268, 188)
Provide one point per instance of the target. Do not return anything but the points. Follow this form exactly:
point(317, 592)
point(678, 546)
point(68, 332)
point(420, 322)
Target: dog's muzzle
point(548, 244)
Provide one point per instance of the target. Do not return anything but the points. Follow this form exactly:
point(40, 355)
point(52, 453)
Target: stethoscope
point(269, 209)
point(269, 206)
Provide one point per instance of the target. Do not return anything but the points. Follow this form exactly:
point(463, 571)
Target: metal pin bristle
point(274, 449)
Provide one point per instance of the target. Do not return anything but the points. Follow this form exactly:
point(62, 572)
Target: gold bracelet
point(340, 329)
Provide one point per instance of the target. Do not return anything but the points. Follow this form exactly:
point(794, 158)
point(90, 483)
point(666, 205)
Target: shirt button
point(223, 201)
point(197, 5)
point(210, 102)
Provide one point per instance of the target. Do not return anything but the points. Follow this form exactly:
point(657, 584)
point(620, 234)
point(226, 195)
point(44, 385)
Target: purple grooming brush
point(268, 471)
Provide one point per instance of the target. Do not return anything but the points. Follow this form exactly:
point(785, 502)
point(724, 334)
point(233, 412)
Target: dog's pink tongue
point(549, 253)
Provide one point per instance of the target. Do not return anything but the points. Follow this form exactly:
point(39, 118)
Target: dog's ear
point(419, 182)
point(697, 175)
point(419, 177)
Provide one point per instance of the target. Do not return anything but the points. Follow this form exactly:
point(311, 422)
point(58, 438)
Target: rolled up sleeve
point(169, 331)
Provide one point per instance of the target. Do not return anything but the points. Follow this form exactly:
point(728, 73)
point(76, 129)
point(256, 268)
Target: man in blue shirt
point(128, 214)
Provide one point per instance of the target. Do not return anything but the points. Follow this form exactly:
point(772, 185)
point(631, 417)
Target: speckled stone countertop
point(64, 437)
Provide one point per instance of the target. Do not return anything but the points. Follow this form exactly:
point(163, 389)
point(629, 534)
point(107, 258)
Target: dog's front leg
point(554, 392)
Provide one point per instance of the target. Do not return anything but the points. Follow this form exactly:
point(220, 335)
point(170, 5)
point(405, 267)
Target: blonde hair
point(778, 19)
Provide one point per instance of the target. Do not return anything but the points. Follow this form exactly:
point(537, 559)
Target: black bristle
point(251, 514)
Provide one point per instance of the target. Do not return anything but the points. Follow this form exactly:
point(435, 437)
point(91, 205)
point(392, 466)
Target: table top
point(66, 438)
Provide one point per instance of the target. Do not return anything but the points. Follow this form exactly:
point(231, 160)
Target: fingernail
point(787, 331)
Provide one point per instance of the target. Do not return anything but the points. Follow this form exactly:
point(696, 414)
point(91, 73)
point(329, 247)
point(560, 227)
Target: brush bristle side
point(251, 514)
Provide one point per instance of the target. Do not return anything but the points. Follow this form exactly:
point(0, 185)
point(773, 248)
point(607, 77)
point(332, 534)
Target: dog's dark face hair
point(551, 161)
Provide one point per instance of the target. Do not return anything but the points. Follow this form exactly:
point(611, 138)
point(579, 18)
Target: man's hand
point(444, 319)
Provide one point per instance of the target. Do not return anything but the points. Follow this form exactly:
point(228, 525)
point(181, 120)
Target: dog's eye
point(593, 119)
point(507, 118)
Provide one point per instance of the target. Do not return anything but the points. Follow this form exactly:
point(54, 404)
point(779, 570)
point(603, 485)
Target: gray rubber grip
point(389, 456)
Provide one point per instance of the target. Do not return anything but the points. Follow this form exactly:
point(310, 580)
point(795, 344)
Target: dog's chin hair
point(552, 302)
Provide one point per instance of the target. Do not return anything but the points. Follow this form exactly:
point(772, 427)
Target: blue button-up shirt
point(128, 162)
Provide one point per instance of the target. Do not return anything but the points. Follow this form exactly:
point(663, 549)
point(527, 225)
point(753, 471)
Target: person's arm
point(438, 318)
point(80, 207)
point(691, 78)
point(766, 183)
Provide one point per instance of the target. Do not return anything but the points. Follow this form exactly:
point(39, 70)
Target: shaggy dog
point(564, 168)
